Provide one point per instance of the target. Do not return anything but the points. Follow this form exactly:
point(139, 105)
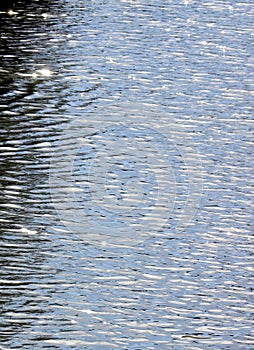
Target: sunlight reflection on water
point(168, 85)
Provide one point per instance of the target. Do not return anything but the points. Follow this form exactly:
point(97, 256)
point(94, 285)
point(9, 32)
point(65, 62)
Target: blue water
point(126, 175)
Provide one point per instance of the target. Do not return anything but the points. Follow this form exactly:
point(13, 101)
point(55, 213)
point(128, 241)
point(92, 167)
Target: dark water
point(126, 174)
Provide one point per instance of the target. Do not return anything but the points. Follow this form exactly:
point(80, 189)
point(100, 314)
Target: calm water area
point(126, 174)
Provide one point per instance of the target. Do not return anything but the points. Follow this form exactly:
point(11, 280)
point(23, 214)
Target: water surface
point(155, 88)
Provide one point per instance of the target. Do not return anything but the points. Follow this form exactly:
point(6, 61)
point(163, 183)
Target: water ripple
point(77, 63)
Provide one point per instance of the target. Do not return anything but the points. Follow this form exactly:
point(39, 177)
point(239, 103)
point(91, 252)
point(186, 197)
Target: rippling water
point(126, 174)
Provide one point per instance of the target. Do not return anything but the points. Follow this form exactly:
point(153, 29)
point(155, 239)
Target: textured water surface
point(126, 174)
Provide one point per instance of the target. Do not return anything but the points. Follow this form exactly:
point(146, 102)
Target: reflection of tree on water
point(24, 163)
point(23, 42)
point(21, 228)
point(21, 4)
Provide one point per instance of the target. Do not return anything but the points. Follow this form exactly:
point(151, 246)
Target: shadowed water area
point(126, 174)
